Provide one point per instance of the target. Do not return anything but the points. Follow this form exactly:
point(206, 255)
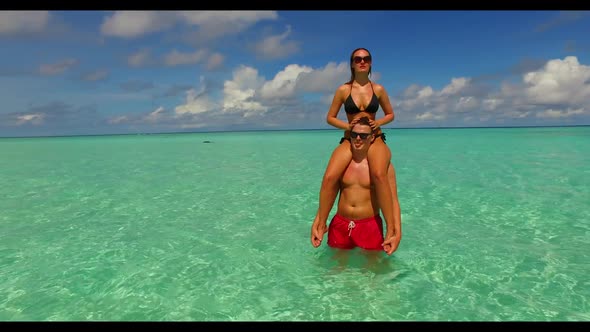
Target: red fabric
point(366, 233)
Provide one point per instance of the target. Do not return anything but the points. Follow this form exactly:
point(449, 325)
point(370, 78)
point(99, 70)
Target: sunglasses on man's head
point(358, 59)
point(354, 134)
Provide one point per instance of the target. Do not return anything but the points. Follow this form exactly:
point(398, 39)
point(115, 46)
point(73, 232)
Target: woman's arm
point(332, 117)
point(385, 105)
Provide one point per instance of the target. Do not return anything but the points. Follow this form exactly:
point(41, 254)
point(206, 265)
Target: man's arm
point(319, 227)
point(393, 234)
point(318, 230)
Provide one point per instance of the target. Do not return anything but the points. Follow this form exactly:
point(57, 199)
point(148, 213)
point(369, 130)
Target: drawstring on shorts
point(351, 225)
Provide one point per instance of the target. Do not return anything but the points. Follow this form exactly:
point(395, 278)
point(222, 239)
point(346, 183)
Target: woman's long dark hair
point(352, 60)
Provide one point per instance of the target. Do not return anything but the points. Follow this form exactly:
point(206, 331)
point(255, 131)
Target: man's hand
point(318, 230)
point(391, 242)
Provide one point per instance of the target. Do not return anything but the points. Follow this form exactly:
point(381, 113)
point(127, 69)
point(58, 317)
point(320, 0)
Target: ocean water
point(496, 227)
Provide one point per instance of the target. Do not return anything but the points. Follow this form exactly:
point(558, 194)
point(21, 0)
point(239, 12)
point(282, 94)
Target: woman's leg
point(397, 213)
point(339, 160)
point(379, 160)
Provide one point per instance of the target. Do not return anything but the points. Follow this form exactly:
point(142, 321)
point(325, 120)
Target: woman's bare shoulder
point(343, 89)
point(379, 89)
point(377, 86)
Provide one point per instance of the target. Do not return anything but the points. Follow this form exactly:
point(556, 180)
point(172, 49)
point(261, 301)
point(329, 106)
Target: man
point(357, 222)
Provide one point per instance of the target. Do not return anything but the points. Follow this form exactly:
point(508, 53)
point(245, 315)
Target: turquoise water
point(496, 227)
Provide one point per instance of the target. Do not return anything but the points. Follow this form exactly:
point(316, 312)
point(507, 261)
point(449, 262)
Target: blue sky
point(111, 72)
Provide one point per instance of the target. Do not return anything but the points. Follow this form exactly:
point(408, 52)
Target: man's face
point(360, 137)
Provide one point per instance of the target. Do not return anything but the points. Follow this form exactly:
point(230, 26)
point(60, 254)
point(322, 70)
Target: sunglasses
point(354, 134)
point(358, 59)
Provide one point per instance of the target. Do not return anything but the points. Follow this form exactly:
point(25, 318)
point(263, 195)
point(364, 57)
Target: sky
point(126, 72)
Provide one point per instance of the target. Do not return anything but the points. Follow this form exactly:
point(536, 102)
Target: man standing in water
point(357, 222)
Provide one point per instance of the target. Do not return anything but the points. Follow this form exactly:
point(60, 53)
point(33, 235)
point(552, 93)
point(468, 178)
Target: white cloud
point(323, 79)
point(276, 46)
point(215, 61)
point(36, 118)
point(411, 91)
point(195, 104)
point(248, 95)
point(118, 119)
point(130, 24)
point(425, 93)
point(466, 104)
point(283, 84)
point(491, 104)
point(57, 68)
point(425, 105)
point(560, 89)
point(175, 57)
point(456, 85)
point(416, 96)
point(197, 101)
point(551, 113)
point(429, 116)
point(238, 93)
point(514, 114)
point(96, 75)
point(140, 58)
point(16, 22)
point(193, 125)
point(155, 115)
point(559, 82)
point(213, 24)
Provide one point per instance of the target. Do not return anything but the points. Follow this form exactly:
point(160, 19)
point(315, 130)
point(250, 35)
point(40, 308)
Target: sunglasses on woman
point(358, 59)
point(354, 134)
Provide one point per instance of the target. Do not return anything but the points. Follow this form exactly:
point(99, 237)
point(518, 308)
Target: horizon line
point(275, 130)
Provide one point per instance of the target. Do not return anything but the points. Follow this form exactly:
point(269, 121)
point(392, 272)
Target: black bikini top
point(351, 108)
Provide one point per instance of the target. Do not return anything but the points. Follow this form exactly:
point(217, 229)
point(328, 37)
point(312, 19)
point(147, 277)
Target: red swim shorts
point(364, 233)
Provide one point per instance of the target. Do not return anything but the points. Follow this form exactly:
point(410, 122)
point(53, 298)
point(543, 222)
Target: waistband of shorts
point(373, 218)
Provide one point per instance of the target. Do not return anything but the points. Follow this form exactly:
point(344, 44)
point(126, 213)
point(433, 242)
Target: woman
point(360, 97)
